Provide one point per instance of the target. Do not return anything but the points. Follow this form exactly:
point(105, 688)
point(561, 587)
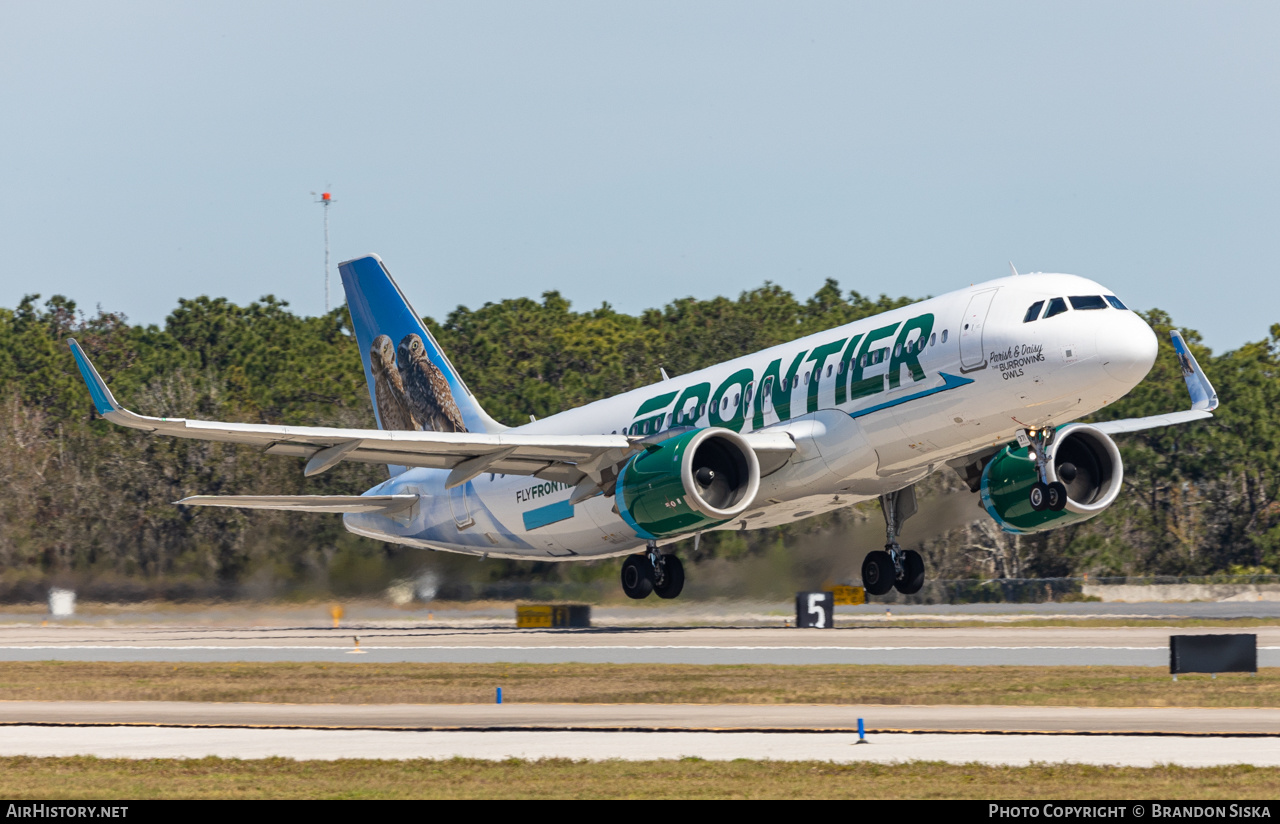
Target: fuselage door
point(972, 355)
point(460, 504)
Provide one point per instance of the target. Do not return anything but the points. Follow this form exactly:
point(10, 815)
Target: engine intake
point(692, 481)
point(1084, 459)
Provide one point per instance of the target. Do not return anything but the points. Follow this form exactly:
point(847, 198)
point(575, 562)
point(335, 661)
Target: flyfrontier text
point(548, 488)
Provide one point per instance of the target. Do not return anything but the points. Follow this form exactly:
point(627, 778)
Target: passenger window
point(1056, 307)
point(668, 426)
point(806, 378)
point(702, 409)
point(897, 351)
point(843, 366)
point(767, 388)
point(830, 370)
point(944, 335)
point(933, 338)
point(1083, 302)
point(1115, 301)
point(737, 399)
point(1033, 312)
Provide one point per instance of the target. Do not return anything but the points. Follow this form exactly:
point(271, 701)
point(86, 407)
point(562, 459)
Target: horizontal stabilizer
point(384, 504)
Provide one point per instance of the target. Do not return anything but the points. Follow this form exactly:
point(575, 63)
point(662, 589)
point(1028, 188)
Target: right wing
point(1203, 397)
point(570, 459)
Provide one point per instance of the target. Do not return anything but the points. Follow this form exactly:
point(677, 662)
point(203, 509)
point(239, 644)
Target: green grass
point(117, 778)
point(361, 683)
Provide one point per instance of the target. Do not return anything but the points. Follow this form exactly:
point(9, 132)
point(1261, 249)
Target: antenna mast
point(326, 200)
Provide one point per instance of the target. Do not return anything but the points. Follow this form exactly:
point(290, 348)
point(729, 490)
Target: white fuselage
point(873, 406)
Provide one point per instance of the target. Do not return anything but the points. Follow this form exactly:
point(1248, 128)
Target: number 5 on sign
point(815, 609)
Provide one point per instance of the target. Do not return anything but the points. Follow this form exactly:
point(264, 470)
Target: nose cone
point(1127, 348)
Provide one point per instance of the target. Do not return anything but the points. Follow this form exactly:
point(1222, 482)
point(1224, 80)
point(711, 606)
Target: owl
point(430, 398)
point(393, 404)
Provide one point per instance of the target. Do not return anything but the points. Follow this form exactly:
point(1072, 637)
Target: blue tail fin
point(411, 382)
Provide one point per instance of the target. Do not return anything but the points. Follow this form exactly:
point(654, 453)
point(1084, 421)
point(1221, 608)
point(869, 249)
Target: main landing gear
point(1044, 495)
point(651, 571)
point(893, 567)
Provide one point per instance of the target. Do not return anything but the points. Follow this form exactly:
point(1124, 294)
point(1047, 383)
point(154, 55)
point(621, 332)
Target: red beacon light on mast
point(324, 196)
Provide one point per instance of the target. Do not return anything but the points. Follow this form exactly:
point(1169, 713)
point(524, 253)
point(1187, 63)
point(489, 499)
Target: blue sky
point(639, 152)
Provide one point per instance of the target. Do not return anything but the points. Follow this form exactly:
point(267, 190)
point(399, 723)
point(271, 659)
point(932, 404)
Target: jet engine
point(692, 481)
point(1082, 458)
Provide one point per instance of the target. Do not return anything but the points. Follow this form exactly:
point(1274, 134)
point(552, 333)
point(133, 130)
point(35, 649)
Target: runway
point(825, 718)
point(1114, 736)
point(951, 646)
point(1013, 750)
point(992, 735)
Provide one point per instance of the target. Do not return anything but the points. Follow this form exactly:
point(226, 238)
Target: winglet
point(106, 403)
point(1203, 397)
point(103, 400)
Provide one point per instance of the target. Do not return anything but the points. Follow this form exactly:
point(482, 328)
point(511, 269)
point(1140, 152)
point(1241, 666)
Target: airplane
point(988, 381)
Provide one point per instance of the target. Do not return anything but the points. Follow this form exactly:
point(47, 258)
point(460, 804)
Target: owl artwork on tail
point(393, 404)
point(430, 398)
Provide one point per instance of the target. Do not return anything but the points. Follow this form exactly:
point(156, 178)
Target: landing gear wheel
point(1039, 496)
point(878, 572)
point(672, 577)
point(1057, 496)
point(912, 573)
point(637, 577)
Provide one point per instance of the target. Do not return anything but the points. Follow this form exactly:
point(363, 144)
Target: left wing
point(570, 459)
point(1203, 397)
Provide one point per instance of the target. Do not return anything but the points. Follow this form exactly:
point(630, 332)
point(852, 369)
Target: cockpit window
point(1115, 301)
point(1056, 307)
point(1033, 312)
point(1088, 302)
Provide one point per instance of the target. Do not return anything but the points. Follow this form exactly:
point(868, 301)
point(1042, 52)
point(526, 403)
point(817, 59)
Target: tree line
point(90, 502)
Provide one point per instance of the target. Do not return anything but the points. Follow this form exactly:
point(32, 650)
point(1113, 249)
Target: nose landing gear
point(1044, 495)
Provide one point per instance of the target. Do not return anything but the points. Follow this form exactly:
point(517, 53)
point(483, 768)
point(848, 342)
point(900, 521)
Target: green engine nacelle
point(1082, 458)
point(692, 481)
